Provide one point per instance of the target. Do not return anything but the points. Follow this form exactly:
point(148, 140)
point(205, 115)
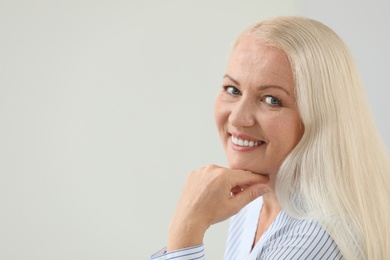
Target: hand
point(210, 195)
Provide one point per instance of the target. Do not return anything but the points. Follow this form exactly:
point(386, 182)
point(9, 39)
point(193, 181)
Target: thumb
point(251, 193)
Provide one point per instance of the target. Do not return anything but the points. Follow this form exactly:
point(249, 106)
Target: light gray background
point(105, 106)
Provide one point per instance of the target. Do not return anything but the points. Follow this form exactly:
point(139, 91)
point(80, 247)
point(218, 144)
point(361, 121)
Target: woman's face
point(256, 112)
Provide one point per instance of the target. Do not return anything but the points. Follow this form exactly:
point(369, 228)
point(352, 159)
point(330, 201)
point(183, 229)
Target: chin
point(235, 165)
point(242, 166)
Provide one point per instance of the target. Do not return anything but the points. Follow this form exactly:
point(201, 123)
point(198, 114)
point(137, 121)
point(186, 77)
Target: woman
point(297, 130)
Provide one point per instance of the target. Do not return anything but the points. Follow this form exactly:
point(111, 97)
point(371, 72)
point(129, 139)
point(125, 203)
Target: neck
point(270, 203)
point(271, 206)
point(269, 212)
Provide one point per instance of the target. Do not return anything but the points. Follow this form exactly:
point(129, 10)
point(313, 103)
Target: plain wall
point(105, 106)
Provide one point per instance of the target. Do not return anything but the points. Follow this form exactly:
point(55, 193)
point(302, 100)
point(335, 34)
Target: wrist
point(184, 234)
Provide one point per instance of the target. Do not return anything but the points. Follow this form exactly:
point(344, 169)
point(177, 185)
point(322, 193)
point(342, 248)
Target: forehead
point(253, 61)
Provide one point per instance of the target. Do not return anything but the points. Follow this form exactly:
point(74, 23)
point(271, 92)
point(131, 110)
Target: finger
point(249, 194)
point(244, 178)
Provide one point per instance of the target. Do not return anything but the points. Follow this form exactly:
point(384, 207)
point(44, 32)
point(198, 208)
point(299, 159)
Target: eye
point(232, 90)
point(272, 101)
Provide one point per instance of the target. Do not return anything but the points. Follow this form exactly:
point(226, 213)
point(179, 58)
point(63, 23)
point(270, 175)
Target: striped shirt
point(286, 238)
point(191, 253)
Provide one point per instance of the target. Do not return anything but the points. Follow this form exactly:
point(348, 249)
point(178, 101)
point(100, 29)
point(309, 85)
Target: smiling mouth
point(245, 143)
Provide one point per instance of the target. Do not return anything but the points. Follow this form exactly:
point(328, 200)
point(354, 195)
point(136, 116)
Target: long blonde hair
point(339, 172)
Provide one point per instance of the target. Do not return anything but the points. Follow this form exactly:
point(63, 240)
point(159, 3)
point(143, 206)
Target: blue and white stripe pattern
point(287, 238)
point(191, 253)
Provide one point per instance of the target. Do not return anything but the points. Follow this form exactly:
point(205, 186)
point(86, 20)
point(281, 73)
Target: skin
point(256, 103)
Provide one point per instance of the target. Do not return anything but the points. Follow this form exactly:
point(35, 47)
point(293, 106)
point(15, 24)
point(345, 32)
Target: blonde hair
point(339, 172)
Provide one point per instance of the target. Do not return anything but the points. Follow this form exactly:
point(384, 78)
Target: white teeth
point(246, 143)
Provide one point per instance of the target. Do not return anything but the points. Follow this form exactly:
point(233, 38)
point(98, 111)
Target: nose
point(242, 114)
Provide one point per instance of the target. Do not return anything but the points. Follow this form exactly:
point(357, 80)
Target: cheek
point(220, 113)
point(297, 129)
point(285, 131)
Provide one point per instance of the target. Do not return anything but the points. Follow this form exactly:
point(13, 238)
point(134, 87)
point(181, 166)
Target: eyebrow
point(262, 87)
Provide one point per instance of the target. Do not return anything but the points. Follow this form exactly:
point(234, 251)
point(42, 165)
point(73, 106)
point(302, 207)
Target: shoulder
point(299, 239)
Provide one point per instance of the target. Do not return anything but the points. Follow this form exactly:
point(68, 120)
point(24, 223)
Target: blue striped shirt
point(286, 238)
point(191, 253)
